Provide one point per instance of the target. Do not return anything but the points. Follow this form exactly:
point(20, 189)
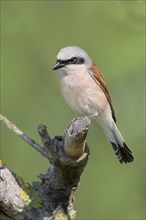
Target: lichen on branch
point(53, 196)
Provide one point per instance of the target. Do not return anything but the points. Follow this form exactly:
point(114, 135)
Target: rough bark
point(53, 197)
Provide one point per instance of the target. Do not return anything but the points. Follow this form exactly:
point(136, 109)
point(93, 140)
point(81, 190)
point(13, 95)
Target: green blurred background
point(112, 33)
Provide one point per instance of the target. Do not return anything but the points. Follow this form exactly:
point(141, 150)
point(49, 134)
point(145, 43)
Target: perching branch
point(17, 131)
point(52, 198)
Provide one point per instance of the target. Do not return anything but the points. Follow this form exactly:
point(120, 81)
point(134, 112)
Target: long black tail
point(123, 153)
point(121, 149)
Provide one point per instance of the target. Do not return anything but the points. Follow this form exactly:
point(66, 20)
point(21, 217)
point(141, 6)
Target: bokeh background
point(112, 33)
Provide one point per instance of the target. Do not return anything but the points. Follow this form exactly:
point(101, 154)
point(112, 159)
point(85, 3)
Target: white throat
point(73, 70)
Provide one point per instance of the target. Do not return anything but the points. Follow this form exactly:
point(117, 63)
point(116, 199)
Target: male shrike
point(85, 91)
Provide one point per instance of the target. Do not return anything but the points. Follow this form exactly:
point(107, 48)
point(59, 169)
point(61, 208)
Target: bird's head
point(72, 58)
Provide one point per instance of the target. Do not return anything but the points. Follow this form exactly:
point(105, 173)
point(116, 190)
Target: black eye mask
point(73, 60)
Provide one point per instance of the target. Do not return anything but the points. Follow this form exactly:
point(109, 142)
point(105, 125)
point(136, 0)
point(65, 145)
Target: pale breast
point(82, 94)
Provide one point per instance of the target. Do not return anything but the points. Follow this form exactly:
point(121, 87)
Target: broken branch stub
point(75, 137)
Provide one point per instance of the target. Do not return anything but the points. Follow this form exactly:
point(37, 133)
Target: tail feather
point(121, 149)
point(123, 153)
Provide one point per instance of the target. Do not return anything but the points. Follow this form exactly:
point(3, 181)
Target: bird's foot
point(93, 115)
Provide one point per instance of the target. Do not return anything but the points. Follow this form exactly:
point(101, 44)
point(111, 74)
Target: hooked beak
point(58, 65)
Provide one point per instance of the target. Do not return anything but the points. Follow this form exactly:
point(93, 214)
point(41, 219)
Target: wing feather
point(98, 78)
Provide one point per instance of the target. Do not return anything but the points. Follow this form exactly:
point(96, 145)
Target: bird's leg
point(94, 115)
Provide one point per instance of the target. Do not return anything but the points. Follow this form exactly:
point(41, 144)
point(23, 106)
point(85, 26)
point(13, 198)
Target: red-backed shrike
point(85, 91)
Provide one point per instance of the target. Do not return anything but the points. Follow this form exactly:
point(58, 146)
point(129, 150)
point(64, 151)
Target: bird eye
point(71, 60)
point(74, 60)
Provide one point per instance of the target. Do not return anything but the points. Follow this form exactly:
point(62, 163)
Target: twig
point(27, 139)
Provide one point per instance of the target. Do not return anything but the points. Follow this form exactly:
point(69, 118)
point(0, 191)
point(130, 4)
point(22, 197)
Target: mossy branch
point(53, 197)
